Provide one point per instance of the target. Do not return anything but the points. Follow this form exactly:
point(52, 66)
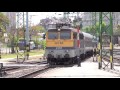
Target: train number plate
point(58, 47)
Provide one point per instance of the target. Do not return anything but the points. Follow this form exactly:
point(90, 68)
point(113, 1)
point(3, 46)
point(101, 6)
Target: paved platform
point(87, 70)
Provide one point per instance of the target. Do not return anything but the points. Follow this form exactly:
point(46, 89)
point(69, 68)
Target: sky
point(35, 17)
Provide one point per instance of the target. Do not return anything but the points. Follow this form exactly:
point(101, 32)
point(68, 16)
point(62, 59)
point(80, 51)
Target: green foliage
point(37, 42)
point(95, 30)
point(4, 21)
point(3, 18)
point(42, 43)
point(34, 34)
point(15, 40)
point(38, 29)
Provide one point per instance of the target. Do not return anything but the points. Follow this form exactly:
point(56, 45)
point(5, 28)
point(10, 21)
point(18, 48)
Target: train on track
point(64, 44)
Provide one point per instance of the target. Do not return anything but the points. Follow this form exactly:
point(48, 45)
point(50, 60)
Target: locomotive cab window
point(52, 35)
point(65, 35)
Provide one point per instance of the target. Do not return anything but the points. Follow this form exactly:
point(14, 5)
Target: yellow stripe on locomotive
point(59, 43)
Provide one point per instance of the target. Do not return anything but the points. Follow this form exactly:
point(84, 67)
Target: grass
point(32, 53)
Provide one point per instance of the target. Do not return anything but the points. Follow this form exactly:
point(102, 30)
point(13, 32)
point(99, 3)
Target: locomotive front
point(59, 43)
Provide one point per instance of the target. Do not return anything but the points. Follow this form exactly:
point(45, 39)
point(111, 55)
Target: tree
point(37, 29)
point(95, 30)
point(34, 33)
point(45, 22)
point(4, 21)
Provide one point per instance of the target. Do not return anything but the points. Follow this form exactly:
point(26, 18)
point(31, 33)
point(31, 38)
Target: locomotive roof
point(87, 35)
point(67, 27)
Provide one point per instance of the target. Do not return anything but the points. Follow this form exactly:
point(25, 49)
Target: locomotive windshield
point(65, 35)
point(53, 35)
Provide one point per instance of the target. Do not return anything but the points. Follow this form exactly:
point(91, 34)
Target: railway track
point(7, 69)
point(25, 72)
point(11, 68)
point(34, 73)
point(38, 72)
point(34, 62)
point(115, 60)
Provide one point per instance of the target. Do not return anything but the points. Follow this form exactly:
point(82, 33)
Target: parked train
point(62, 44)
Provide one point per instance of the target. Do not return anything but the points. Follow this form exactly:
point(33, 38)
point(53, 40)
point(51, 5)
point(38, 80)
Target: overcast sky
point(36, 16)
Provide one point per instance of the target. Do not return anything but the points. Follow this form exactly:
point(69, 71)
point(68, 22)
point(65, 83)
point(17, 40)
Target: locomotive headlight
point(66, 51)
point(51, 52)
point(59, 29)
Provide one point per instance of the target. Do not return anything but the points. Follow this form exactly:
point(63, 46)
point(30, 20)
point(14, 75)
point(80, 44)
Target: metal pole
point(0, 52)
point(27, 35)
point(101, 20)
point(0, 44)
point(27, 29)
point(100, 41)
point(108, 31)
point(111, 40)
point(17, 27)
point(24, 36)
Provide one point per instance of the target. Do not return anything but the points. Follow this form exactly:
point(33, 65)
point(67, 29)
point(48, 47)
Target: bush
point(44, 44)
point(36, 42)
